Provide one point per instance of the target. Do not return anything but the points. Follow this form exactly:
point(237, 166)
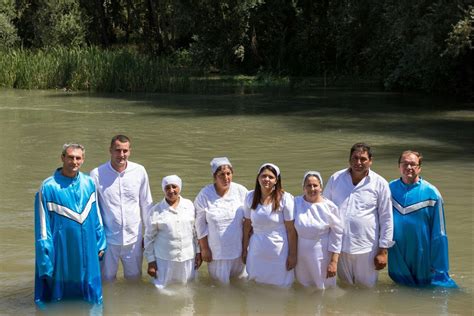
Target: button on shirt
point(365, 209)
point(124, 199)
point(170, 232)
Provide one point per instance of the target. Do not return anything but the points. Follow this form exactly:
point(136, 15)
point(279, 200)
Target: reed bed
point(119, 70)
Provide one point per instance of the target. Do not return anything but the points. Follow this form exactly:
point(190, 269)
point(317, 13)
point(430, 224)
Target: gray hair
point(74, 146)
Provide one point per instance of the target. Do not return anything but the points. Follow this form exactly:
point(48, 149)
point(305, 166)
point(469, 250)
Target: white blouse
point(220, 218)
point(170, 233)
point(316, 221)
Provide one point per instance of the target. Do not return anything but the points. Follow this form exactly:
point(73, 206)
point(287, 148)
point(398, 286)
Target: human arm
point(43, 238)
point(201, 226)
point(332, 266)
point(247, 232)
point(151, 233)
point(292, 244)
point(99, 230)
point(385, 218)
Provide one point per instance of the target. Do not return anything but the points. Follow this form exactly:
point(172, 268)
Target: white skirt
point(312, 264)
point(266, 259)
point(223, 270)
point(174, 272)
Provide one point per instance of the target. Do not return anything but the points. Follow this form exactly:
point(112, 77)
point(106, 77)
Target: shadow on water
point(416, 118)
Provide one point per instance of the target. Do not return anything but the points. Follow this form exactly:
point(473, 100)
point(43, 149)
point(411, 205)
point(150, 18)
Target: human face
point(410, 168)
point(119, 154)
point(312, 189)
point(172, 193)
point(223, 178)
point(267, 180)
point(72, 161)
point(360, 163)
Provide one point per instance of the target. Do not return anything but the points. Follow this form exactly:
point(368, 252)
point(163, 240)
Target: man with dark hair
point(363, 198)
point(69, 234)
point(124, 199)
point(420, 254)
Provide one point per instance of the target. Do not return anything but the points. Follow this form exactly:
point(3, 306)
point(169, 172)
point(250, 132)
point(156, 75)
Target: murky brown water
point(181, 133)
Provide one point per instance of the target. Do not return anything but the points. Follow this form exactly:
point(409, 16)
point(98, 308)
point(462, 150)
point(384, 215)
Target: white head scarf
point(313, 173)
point(219, 161)
point(271, 165)
point(173, 179)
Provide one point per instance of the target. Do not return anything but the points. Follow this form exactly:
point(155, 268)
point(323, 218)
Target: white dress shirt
point(170, 234)
point(366, 209)
point(220, 218)
point(124, 201)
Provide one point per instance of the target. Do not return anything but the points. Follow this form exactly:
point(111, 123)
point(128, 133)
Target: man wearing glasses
point(420, 254)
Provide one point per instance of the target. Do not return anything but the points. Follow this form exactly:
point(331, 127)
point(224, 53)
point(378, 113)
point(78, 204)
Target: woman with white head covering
point(219, 218)
point(170, 240)
point(319, 227)
point(270, 250)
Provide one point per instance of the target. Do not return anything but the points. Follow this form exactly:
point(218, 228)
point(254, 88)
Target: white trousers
point(358, 269)
point(131, 257)
point(223, 270)
point(174, 272)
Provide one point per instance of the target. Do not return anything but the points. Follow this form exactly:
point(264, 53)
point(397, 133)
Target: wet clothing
point(319, 229)
point(366, 209)
point(268, 245)
point(69, 236)
point(220, 218)
point(420, 254)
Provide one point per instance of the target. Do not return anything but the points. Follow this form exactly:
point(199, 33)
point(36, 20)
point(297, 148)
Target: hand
point(101, 254)
point(206, 254)
point(197, 261)
point(380, 259)
point(332, 269)
point(290, 262)
point(152, 269)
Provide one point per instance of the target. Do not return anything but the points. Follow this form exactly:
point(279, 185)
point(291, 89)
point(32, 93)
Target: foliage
point(403, 45)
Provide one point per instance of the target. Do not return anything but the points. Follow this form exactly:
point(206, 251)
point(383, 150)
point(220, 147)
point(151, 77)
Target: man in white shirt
point(124, 199)
point(363, 198)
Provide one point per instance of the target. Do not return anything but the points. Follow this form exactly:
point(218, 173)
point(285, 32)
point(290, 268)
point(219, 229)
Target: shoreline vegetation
point(208, 46)
point(124, 70)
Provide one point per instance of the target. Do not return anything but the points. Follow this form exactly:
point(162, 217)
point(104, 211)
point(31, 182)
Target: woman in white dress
point(219, 218)
point(170, 240)
point(269, 242)
point(319, 227)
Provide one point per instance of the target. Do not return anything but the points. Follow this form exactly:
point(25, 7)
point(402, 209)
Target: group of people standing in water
point(353, 227)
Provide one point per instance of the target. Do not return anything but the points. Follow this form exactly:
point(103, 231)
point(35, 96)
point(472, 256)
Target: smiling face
point(410, 168)
point(360, 163)
point(72, 161)
point(267, 180)
point(119, 153)
point(312, 189)
point(223, 178)
point(172, 193)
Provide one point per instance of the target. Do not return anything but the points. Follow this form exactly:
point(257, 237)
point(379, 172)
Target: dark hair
point(222, 167)
point(361, 147)
point(407, 152)
point(120, 138)
point(277, 193)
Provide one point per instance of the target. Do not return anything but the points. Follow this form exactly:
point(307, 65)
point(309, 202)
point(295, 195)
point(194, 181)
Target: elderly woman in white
point(170, 243)
point(219, 218)
point(319, 227)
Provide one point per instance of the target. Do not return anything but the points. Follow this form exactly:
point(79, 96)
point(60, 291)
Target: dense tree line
point(406, 45)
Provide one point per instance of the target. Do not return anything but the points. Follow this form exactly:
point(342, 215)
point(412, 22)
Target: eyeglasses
point(409, 164)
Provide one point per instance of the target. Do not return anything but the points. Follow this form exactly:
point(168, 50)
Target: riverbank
point(122, 70)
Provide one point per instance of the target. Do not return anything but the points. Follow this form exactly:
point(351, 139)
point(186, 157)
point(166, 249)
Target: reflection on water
point(181, 133)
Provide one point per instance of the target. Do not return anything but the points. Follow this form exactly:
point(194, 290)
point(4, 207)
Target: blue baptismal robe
point(420, 254)
point(69, 236)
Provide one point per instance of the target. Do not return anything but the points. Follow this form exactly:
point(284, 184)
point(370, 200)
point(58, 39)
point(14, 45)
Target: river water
point(181, 133)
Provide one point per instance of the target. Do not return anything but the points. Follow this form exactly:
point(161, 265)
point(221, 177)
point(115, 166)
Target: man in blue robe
point(69, 235)
point(420, 254)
